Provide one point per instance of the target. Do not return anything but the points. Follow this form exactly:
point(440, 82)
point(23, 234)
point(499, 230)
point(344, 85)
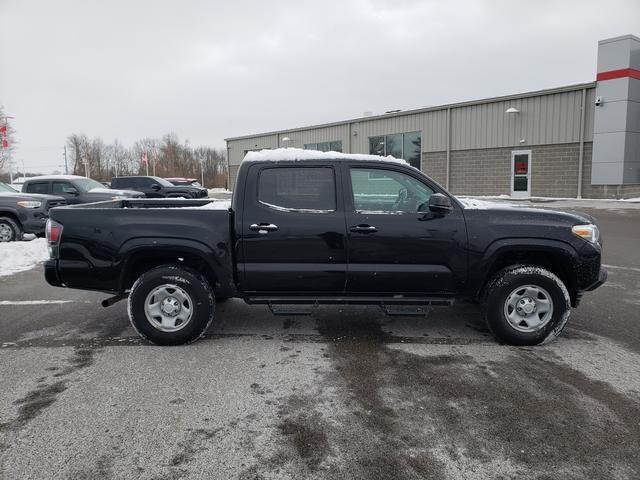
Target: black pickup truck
point(309, 228)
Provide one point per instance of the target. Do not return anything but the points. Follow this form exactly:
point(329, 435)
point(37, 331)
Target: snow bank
point(213, 191)
point(20, 256)
point(296, 154)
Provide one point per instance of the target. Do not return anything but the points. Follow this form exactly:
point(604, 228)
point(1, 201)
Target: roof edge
point(515, 96)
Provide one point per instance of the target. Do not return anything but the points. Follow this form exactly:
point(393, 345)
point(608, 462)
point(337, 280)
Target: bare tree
point(171, 158)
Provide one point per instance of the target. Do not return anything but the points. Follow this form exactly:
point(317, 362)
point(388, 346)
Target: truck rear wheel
point(10, 230)
point(526, 305)
point(171, 305)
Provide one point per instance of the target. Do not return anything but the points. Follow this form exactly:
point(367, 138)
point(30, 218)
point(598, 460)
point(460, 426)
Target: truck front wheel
point(171, 305)
point(526, 305)
point(10, 230)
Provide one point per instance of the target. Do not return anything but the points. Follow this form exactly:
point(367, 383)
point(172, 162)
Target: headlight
point(30, 204)
point(588, 232)
point(118, 197)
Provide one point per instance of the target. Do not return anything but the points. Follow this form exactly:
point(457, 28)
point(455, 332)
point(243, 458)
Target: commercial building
point(575, 141)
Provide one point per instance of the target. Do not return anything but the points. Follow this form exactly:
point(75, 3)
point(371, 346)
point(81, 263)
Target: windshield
point(6, 188)
point(162, 182)
point(87, 184)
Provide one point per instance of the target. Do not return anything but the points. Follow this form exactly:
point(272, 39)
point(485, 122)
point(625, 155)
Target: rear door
point(395, 245)
point(293, 230)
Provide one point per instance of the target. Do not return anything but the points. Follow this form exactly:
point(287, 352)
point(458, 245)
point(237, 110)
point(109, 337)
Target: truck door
point(293, 230)
point(395, 244)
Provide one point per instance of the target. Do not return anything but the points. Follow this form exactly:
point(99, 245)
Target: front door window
point(387, 191)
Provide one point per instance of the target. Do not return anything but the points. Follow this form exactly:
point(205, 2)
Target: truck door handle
point(363, 228)
point(263, 228)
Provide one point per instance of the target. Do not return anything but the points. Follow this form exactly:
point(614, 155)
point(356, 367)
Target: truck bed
point(99, 239)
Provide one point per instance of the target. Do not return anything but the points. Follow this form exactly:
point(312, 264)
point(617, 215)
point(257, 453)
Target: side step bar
point(346, 300)
point(391, 306)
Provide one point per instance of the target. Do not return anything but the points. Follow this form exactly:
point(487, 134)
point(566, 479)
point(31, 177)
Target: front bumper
point(602, 278)
point(34, 222)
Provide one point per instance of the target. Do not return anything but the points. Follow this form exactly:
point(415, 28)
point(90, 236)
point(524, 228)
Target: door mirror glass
point(440, 203)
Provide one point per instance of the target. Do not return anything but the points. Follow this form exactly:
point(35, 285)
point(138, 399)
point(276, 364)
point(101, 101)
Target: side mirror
point(72, 191)
point(155, 187)
point(440, 203)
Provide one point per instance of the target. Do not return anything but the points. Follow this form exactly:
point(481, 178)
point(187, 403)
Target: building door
point(521, 173)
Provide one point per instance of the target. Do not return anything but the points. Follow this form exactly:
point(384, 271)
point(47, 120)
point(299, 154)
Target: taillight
point(54, 232)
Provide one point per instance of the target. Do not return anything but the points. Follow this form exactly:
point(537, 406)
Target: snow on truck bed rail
point(298, 154)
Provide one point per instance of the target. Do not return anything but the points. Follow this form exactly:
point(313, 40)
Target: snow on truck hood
point(298, 154)
point(476, 204)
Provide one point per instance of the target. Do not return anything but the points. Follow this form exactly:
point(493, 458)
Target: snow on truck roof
point(55, 177)
point(298, 154)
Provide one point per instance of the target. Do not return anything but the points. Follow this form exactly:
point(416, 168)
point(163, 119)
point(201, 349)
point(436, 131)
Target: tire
point(526, 305)
point(10, 230)
point(171, 305)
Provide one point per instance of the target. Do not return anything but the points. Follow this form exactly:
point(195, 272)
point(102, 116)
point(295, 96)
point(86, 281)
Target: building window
point(399, 145)
point(334, 146)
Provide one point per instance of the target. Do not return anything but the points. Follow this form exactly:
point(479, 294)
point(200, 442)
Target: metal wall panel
point(543, 119)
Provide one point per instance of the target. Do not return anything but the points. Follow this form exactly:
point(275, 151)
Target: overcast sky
point(207, 70)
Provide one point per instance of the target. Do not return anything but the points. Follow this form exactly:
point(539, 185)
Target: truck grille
point(55, 203)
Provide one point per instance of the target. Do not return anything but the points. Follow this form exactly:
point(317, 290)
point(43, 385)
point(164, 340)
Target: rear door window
point(122, 182)
point(302, 189)
point(37, 187)
point(144, 183)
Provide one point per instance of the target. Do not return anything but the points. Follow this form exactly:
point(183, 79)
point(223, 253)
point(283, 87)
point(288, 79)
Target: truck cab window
point(37, 187)
point(388, 191)
point(62, 188)
point(310, 189)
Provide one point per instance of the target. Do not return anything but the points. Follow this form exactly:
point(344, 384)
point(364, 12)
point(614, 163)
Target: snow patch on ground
point(20, 256)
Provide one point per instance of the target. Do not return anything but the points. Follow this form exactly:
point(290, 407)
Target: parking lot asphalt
point(342, 393)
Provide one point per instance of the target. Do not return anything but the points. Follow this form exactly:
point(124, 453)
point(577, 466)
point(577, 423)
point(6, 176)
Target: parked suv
point(23, 213)
point(156, 187)
point(75, 189)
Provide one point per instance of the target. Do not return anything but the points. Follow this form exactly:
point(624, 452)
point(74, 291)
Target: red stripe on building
point(623, 73)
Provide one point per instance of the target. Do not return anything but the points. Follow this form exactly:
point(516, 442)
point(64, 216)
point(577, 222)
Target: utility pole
point(202, 168)
point(66, 168)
